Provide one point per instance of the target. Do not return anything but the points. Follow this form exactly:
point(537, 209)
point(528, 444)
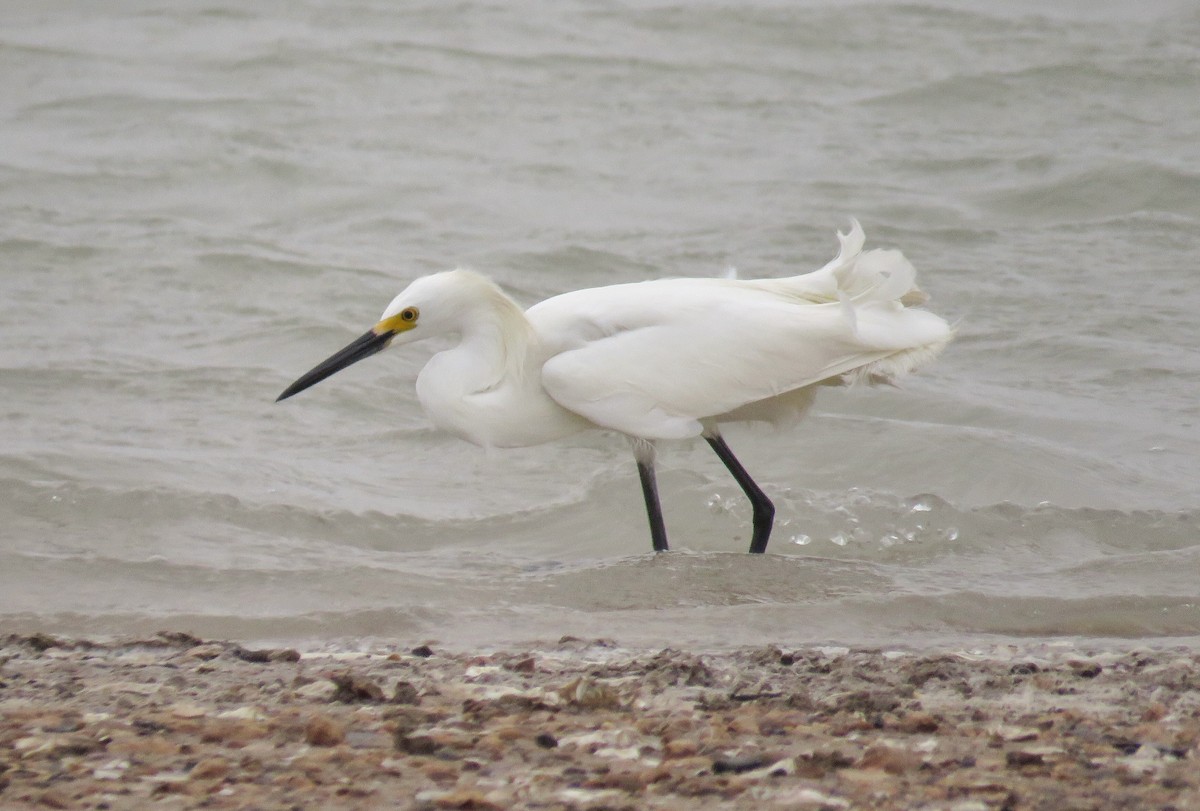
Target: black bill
point(365, 346)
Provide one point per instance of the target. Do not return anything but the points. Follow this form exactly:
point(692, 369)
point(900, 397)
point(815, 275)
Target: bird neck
point(495, 344)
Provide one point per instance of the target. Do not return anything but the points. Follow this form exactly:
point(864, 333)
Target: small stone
point(113, 770)
point(466, 798)
point(187, 710)
point(490, 746)
point(871, 701)
point(738, 764)
point(680, 748)
point(1020, 758)
point(264, 655)
point(246, 713)
point(1155, 712)
point(865, 778)
point(53, 798)
point(1013, 734)
point(624, 778)
point(779, 722)
point(143, 746)
point(452, 738)
point(810, 800)
point(440, 772)
point(320, 690)
point(890, 759)
point(405, 693)
point(178, 639)
point(526, 665)
point(415, 744)
point(42, 642)
point(210, 650)
point(352, 688)
point(290, 781)
point(147, 726)
point(697, 786)
point(654, 774)
point(210, 769)
point(917, 723)
point(506, 704)
point(365, 739)
point(590, 694)
point(62, 725)
point(235, 732)
point(322, 730)
point(254, 656)
point(56, 745)
point(742, 725)
point(697, 764)
point(167, 782)
point(821, 762)
point(546, 740)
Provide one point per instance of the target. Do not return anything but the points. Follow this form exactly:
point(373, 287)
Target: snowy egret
point(656, 360)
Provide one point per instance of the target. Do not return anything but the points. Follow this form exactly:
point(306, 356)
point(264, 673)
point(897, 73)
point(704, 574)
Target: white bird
point(655, 360)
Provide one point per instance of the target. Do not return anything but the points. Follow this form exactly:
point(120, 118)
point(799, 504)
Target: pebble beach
point(175, 721)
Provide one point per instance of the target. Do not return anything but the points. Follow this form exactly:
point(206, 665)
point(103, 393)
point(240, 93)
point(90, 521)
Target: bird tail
point(876, 290)
point(877, 294)
point(859, 276)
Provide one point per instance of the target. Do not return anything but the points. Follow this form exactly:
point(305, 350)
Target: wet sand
point(179, 722)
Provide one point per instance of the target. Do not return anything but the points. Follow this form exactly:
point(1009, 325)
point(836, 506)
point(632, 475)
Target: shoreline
point(175, 721)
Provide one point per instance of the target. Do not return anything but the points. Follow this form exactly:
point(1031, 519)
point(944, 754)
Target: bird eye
point(409, 314)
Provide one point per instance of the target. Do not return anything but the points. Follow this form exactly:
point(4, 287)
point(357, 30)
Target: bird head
point(401, 320)
point(429, 305)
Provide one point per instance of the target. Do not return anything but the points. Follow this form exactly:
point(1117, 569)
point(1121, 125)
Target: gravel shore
point(179, 722)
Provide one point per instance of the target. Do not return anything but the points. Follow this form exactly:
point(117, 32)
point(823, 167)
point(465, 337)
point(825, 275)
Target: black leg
point(658, 530)
point(644, 452)
point(764, 510)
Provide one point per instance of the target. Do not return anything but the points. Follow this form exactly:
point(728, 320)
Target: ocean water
point(200, 200)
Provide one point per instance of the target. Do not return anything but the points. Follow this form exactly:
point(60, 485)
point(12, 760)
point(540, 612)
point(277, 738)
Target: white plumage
point(655, 360)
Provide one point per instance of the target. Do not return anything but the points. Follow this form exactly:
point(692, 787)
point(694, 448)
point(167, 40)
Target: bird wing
point(656, 358)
